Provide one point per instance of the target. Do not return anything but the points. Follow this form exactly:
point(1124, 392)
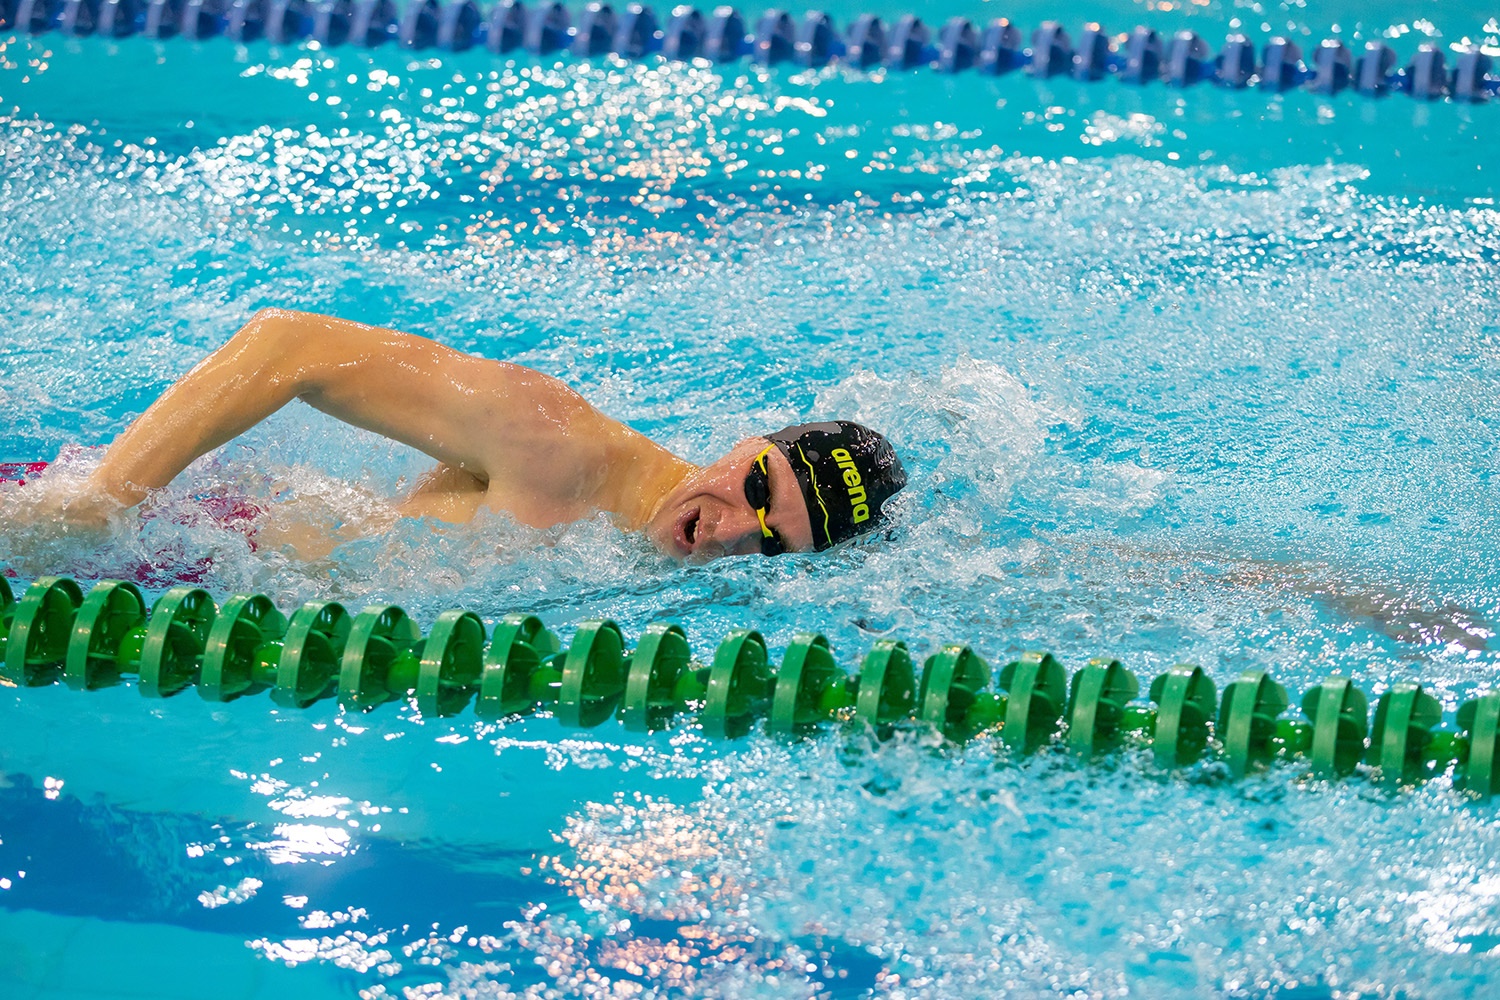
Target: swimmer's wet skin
point(804, 488)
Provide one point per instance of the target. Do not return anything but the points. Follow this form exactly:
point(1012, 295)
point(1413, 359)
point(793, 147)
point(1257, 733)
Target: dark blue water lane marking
point(108, 863)
point(103, 861)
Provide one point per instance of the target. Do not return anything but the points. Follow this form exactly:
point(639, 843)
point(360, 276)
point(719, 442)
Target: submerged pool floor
point(1180, 377)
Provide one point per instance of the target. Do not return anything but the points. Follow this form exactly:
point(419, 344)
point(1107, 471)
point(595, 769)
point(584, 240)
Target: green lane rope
point(57, 633)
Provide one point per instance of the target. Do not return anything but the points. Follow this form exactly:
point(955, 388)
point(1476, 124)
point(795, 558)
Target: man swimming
point(506, 438)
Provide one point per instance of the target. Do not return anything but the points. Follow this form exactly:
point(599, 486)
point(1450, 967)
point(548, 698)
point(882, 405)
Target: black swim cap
point(846, 471)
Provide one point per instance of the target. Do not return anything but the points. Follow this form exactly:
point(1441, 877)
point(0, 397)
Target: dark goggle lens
point(758, 486)
point(758, 493)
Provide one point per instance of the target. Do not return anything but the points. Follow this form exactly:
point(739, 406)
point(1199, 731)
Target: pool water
point(1180, 376)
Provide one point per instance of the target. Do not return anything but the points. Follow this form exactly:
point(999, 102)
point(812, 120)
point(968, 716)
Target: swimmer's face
point(707, 515)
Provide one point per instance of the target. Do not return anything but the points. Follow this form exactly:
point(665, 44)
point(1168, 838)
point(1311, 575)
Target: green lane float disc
point(593, 675)
point(520, 643)
point(306, 666)
point(40, 629)
point(887, 691)
point(378, 636)
point(1036, 690)
point(1292, 739)
point(530, 630)
point(739, 685)
point(1480, 719)
point(505, 685)
point(1185, 702)
point(1444, 748)
point(452, 662)
point(1138, 722)
point(692, 687)
point(1340, 716)
point(244, 624)
point(176, 636)
point(988, 711)
point(807, 673)
point(1248, 721)
point(1096, 706)
point(651, 678)
point(110, 612)
point(1404, 718)
point(7, 611)
point(952, 680)
point(546, 681)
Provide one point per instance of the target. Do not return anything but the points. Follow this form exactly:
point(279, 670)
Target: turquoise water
point(1180, 376)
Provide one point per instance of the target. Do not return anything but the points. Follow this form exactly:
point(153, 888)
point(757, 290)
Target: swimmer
point(506, 438)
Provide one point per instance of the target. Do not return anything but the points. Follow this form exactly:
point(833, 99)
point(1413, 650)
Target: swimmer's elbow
point(275, 348)
point(271, 331)
point(270, 315)
point(323, 360)
point(286, 332)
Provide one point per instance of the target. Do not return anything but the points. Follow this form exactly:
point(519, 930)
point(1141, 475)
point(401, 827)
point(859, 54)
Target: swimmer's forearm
point(225, 395)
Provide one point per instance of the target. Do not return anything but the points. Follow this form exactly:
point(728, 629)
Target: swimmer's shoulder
point(556, 457)
point(539, 419)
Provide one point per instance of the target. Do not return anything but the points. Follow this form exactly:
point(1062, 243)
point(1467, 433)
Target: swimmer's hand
point(90, 511)
point(58, 511)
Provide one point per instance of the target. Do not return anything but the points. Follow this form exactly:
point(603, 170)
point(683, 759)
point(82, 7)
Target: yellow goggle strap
point(760, 512)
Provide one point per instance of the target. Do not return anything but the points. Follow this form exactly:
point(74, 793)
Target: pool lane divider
point(56, 632)
point(724, 35)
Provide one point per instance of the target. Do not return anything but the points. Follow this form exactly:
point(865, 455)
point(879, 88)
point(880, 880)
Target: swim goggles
point(758, 493)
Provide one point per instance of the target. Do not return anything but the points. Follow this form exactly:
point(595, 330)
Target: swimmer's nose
point(738, 531)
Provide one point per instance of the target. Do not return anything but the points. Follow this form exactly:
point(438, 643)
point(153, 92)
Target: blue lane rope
point(725, 35)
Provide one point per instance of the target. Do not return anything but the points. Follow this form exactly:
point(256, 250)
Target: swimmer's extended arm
point(468, 412)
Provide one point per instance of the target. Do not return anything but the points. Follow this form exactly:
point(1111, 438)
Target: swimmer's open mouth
point(685, 533)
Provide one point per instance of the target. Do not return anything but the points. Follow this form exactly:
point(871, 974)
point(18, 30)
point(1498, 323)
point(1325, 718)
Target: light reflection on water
point(1236, 410)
